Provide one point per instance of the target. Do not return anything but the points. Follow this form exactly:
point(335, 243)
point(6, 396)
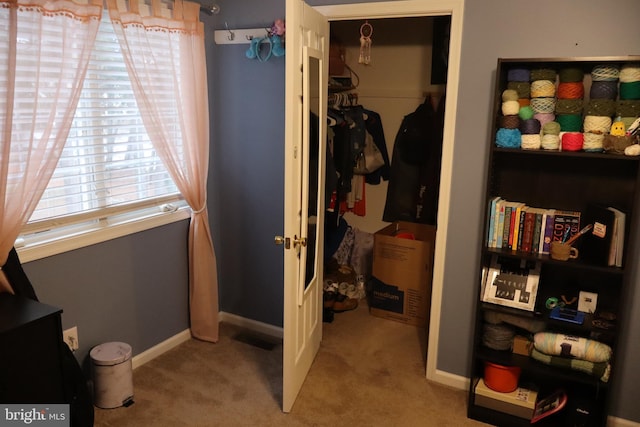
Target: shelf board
point(546, 259)
point(575, 154)
point(532, 368)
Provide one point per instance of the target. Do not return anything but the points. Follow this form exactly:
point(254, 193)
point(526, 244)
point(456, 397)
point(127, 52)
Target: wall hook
point(231, 35)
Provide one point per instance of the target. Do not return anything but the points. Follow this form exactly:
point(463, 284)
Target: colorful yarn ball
point(597, 124)
point(518, 75)
point(600, 107)
point(526, 113)
point(569, 122)
point(543, 105)
point(542, 88)
point(523, 88)
point(630, 73)
point(509, 95)
point(627, 108)
point(571, 90)
point(508, 138)
point(572, 141)
point(604, 90)
point(510, 108)
point(543, 74)
point(530, 126)
point(605, 73)
point(524, 102)
point(569, 106)
point(544, 118)
point(551, 128)
point(550, 142)
point(593, 142)
point(570, 74)
point(630, 90)
point(510, 122)
point(531, 142)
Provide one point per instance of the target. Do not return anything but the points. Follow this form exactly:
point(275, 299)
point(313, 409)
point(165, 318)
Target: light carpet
point(369, 372)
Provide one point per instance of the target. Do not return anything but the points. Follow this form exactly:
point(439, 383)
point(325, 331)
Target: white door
point(307, 46)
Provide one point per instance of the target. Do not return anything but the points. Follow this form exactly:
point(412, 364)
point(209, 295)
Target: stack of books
point(518, 227)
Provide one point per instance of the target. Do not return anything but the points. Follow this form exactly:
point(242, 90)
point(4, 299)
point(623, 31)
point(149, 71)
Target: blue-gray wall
point(134, 288)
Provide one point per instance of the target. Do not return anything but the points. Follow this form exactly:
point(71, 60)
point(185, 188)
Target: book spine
point(507, 225)
point(500, 225)
point(535, 242)
point(548, 231)
point(559, 228)
point(527, 236)
point(491, 216)
point(516, 228)
point(512, 222)
point(523, 214)
point(567, 223)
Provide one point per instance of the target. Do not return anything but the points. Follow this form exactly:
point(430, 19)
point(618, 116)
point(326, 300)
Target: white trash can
point(112, 375)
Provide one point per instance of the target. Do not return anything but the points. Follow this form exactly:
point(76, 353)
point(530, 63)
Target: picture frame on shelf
point(512, 282)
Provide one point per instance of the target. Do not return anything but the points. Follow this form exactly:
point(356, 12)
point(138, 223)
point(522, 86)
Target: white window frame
point(50, 237)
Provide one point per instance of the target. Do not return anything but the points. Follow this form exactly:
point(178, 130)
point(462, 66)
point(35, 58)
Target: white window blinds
point(108, 165)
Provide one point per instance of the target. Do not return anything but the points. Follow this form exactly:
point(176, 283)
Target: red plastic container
point(503, 379)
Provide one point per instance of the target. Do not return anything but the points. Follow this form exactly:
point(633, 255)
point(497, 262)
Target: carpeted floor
point(369, 372)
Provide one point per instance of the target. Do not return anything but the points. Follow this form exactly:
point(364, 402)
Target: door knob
point(302, 241)
point(281, 240)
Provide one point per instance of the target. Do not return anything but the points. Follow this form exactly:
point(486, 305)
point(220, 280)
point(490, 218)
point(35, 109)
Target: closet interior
point(387, 81)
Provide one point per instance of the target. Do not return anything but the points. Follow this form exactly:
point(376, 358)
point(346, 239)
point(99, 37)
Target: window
point(109, 172)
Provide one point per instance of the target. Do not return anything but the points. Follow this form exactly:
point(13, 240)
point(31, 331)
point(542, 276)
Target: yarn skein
point(572, 141)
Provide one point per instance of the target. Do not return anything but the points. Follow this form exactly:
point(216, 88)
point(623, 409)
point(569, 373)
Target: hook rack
point(228, 36)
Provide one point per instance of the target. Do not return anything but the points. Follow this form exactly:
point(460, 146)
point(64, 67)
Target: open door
point(307, 46)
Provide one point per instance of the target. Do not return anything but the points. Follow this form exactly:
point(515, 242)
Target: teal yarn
point(508, 138)
point(569, 122)
point(630, 90)
point(526, 113)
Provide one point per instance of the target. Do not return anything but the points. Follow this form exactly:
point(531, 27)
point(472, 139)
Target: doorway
point(389, 73)
point(412, 8)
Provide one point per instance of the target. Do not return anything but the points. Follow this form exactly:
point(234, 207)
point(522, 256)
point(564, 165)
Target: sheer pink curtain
point(164, 52)
point(45, 48)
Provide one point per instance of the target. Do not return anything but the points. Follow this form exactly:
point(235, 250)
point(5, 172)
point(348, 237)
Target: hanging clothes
point(414, 179)
point(352, 124)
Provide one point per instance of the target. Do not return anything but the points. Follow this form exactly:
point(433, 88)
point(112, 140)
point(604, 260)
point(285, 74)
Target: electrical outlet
point(71, 338)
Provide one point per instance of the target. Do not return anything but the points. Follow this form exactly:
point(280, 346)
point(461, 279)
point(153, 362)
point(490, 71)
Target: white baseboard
point(160, 348)
point(253, 325)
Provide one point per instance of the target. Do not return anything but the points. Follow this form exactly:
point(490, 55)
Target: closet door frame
point(416, 8)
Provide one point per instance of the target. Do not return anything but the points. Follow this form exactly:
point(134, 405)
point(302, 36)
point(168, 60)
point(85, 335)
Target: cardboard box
point(522, 345)
point(520, 403)
point(402, 271)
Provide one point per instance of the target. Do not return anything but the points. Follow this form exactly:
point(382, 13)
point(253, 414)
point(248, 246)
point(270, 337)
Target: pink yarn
point(544, 117)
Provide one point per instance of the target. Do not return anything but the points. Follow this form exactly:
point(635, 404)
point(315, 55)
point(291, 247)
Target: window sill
point(98, 233)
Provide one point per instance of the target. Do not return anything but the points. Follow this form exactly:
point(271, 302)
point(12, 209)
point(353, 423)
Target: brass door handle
point(281, 240)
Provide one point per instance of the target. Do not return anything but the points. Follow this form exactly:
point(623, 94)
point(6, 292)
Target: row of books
point(516, 226)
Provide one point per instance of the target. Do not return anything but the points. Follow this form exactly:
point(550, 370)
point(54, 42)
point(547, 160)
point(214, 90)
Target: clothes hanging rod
point(239, 36)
